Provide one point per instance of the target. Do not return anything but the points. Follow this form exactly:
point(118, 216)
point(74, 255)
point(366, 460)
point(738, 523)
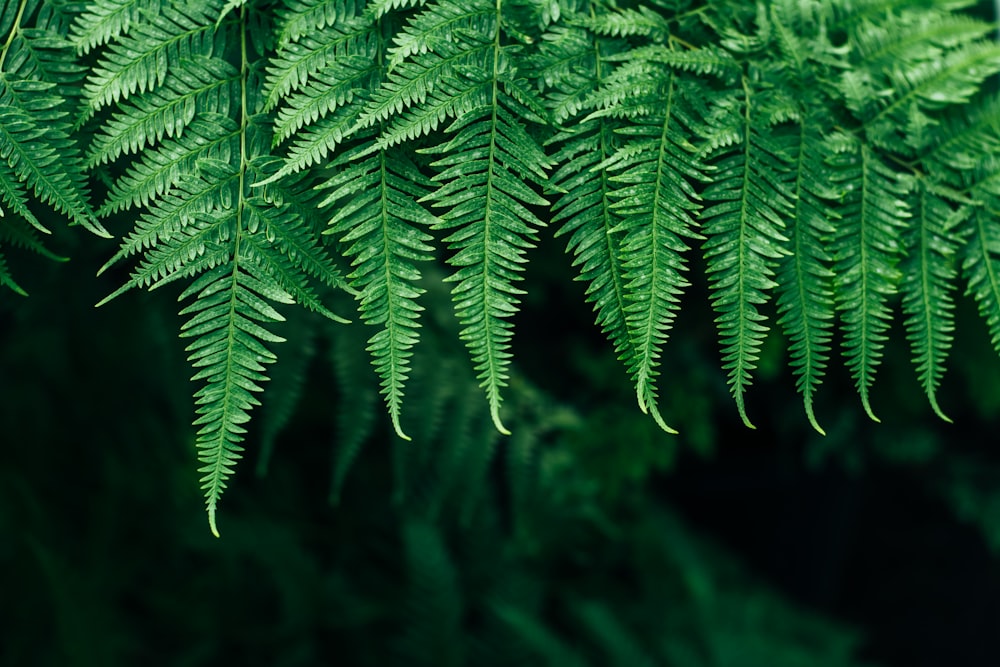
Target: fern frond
point(585, 213)
point(439, 26)
point(929, 274)
point(329, 90)
point(196, 85)
point(567, 66)
point(106, 20)
point(747, 203)
point(38, 77)
point(965, 136)
point(32, 151)
point(298, 18)
point(14, 197)
point(866, 254)
point(901, 121)
point(380, 8)
point(805, 286)
point(650, 177)
point(141, 60)
point(641, 21)
point(378, 218)
point(353, 36)
point(708, 60)
point(981, 257)
point(915, 36)
point(451, 97)
point(289, 254)
point(208, 136)
point(485, 199)
point(414, 84)
point(191, 196)
point(245, 250)
point(229, 352)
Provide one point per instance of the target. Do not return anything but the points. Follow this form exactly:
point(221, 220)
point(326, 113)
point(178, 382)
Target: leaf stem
point(14, 30)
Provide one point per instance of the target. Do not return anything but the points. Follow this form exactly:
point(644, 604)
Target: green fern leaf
point(641, 21)
point(37, 74)
point(209, 136)
point(230, 355)
point(197, 85)
point(747, 203)
point(297, 61)
point(299, 18)
point(106, 20)
point(485, 200)
point(866, 253)
point(929, 274)
point(141, 60)
point(434, 85)
point(981, 260)
point(805, 286)
point(378, 218)
point(15, 198)
point(245, 250)
point(650, 175)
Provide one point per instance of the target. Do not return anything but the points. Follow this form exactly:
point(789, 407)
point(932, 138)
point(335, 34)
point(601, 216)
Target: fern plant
point(820, 164)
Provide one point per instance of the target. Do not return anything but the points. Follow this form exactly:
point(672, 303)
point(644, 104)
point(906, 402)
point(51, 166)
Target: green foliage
point(814, 163)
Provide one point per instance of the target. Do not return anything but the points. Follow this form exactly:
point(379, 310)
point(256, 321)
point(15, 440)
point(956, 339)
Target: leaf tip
point(495, 414)
point(812, 418)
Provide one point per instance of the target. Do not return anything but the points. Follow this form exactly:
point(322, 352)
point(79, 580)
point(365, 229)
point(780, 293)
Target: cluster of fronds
point(821, 162)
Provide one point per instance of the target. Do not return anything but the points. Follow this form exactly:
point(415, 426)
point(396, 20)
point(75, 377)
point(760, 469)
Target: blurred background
point(588, 537)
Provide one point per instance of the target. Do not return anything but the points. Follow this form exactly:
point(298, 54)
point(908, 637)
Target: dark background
point(589, 535)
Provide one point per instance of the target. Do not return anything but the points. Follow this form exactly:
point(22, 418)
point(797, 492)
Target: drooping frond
point(981, 255)
point(209, 136)
point(829, 155)
point(245, 249)
point(484, 194)
point(746, 205)
point(452, 79)
point(487, 170)
point(377, 217)
point(297, 18)
point(866, 252)
point(929, 273)
point(805, 285)
point(627, 23)
point(312, 51)
point(805, 297)
point(229, 353)
point(583, 211)
point(651, 175)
